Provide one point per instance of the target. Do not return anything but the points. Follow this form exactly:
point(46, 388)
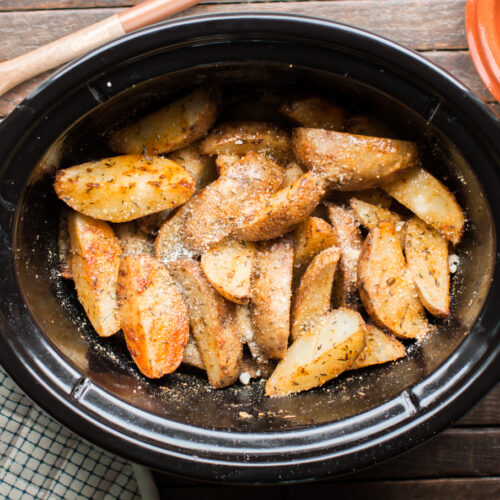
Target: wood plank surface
point(429, 24)
point(486, 488)
point(487, 411)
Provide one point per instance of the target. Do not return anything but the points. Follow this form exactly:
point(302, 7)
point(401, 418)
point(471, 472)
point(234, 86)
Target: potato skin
point(95, 258)
point(153, 316)
point(172, 127)
point(132, 240)
point(220, 209)
point(427, 256)
point(284, 210)
point(124, 188)
point(271, 296)
point(352, 162)
point(212, 323)
point(385, 287)
point(315, 112)
point(242, 137)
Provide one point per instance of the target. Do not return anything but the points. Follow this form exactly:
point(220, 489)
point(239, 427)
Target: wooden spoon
point(21, 68)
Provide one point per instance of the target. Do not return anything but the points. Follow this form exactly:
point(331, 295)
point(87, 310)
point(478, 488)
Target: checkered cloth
point(41, 459)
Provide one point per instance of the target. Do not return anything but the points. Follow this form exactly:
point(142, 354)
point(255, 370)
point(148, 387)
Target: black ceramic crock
point(179, 424)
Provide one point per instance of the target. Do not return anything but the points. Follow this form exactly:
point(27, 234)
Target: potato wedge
point(319, 355)
point(283, 210)
point(380, 348)
point(245, 327)
point(230, 201)
point(201, 167)
point(95, 258)
point(315, 112)
point(124, 188)
point(228, 267)
point(153, 316)
point(427, 256)
point(63, 245)
point(172, 127)
point(169, 243)
point(225, 162)
point(192, 356)
point(271, 295)
point(368, 125)
point(243, 137)
point(349, 240)
point(352, 162)
point(313, 296)
point(311, 237)
point(293, 172)
point(385, 286)
point(431, 200)
point(212, 323)
point(371, 215)
point(134, 241)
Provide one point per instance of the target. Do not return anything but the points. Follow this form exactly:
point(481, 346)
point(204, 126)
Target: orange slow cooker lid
point(482, 21)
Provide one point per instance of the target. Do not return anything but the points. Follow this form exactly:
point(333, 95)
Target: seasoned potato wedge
point(225, 162)
point(230, 201)
point(352, 162)
point(319, 355)
point(228, 267)
point(315, 112)
point(386, 289)
point(349, 240)
point(201, 167)
point(63, 245)
point(368, 125)
point(245, 327)
point(371, 215)
point(431, 200)
point(123, 188)
point(95, 258)
point(293, 172)
point(243, 137)
point(134, 241)
point(427, 256)
point(283, 210)
point(172, 127)
point(314, 294)
point(311, 237)
point(192, 356)
point(380, 348)
point(153, 316)
point(271, 296)
point(169, 243)
point(212, 323)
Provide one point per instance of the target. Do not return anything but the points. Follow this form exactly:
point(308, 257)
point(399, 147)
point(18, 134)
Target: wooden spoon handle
point(21, 68)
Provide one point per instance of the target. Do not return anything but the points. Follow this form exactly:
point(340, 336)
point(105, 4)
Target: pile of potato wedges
point(291, 250)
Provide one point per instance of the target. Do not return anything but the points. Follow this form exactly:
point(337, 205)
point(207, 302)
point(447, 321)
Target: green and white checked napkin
point(41, 459)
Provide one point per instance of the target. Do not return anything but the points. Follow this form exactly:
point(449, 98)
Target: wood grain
point(428, 24)
point(487, 411)
point(466, 488)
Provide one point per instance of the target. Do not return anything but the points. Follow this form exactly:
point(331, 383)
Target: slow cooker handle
point(21, 68)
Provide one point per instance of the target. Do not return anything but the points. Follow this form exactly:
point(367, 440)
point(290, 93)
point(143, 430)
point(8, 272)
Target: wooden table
point(462, 462)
